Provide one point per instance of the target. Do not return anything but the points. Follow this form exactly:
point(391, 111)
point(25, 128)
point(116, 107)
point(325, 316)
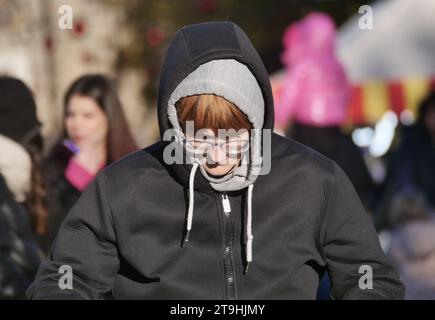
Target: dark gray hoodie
point(292, 220)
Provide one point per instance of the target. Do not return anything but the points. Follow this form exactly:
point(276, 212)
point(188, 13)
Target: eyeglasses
point(232, 146)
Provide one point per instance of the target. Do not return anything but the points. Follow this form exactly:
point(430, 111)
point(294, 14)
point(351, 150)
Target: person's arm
point(19, 253)
point(351, 247)
point(86, 242)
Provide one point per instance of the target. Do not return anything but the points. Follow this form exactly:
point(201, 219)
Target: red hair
point(209, 111)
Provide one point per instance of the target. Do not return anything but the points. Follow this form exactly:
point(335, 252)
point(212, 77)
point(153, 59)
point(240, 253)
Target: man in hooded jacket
point(291, 221)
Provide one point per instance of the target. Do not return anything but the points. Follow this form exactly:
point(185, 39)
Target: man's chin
point(217, 171)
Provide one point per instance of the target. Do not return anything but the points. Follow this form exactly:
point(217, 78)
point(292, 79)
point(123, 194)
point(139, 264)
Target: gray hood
point(233, 81)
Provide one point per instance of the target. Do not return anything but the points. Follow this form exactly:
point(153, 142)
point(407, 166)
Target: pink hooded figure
point(315, 90)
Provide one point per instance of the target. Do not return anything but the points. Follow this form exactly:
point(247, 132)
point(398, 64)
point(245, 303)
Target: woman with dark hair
point(21, 189)
point(95, 134)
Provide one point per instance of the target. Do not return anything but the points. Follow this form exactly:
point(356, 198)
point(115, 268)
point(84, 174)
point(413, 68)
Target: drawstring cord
point(249, 236)
point(191, 192)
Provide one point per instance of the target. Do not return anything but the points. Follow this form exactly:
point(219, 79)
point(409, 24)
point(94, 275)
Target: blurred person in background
point(22, 210)
point(95, 134)
point(412, 164)
point(411, 246)
point(314, 103)
point(315, 97)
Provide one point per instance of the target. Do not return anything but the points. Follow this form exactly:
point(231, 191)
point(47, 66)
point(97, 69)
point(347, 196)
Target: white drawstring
point(249, 236)
point(191, 192)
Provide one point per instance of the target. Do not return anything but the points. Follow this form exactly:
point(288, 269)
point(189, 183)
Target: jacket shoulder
point(293, 154)
point(150, 157)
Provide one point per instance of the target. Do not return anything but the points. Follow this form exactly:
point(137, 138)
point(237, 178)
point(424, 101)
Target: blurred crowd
point(313, 109)
point(37, 189)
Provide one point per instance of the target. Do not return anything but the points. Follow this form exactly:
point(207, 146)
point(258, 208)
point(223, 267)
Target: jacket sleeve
point(19, 253)
point(86, 244)
point(355, 261)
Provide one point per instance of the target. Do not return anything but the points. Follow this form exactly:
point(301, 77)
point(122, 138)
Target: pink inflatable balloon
point(315, 89)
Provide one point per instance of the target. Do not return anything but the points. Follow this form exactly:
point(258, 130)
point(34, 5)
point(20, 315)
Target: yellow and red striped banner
point(370, 100)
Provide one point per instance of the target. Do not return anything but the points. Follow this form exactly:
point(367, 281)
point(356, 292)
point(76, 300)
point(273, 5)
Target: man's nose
point(217, 155)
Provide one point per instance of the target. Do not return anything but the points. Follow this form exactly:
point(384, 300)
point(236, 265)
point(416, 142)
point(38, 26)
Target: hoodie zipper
point(228, 254)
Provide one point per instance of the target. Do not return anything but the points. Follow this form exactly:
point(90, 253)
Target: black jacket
point(410, 169)
point(61, 194)
point(123, 237)
point(413, 163)
point(19, 253)
point(337, 146)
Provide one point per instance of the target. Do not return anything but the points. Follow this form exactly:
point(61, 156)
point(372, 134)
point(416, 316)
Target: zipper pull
point(226, 203)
